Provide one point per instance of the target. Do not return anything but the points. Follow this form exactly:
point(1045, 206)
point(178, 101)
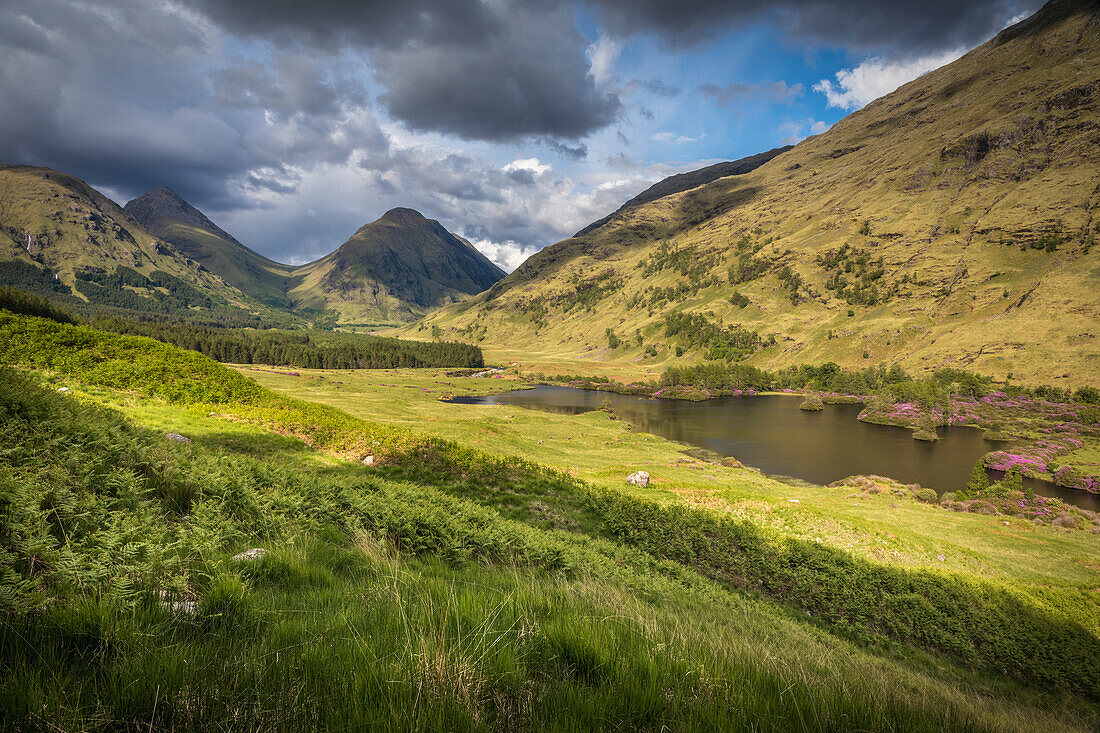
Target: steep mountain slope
point(952, 222)
point(164, 214)
point(61, 236)
point(686, 181)
point(392, 270)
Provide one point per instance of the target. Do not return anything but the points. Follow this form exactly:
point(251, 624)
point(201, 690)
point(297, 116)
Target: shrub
point(812, 403)
point(228, 605)
point(1065, 519)
point(928, 496)
point(979, 480)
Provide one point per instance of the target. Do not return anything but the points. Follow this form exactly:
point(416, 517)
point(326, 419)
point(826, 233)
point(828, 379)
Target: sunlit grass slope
point(950, 223)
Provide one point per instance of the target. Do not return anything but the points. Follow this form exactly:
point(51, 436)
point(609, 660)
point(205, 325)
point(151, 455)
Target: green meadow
point(490, 571)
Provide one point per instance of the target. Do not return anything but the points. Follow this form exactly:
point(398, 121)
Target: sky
point(513, 122)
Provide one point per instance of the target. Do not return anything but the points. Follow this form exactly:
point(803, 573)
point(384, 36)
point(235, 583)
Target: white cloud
point(672, 137)
point(528, 164)
point(875, 77)
point(795, 131)
point(506, 255)
point(601, 59)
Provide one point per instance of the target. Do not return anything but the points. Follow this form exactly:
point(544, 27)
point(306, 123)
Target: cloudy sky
point(514, 122)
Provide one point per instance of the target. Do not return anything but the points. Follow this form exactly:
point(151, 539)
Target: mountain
point(394, 269)
point(164, 214)
point(687, 181)
point(952, 222)
point(62, 237)
point(162, 255)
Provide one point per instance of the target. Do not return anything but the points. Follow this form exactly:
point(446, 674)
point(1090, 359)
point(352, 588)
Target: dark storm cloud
point(911, 26)
point(121, 92)
point(481, 71)
point(531, 80)
point(376, 23)
point(575, 152)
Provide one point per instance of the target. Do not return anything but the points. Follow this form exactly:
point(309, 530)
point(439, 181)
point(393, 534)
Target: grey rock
point(256, 553)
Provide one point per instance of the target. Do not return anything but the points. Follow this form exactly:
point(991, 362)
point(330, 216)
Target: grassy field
point(603, 451)
point(467, 585)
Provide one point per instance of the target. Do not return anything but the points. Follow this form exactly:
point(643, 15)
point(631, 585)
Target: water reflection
point(772, 434)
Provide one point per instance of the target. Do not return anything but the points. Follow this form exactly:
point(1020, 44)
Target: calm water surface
point(772, 434)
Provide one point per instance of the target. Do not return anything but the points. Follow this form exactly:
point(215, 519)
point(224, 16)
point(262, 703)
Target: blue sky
point(513, 122)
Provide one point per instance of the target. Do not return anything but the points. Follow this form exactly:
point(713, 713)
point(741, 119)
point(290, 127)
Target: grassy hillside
point(393, 270)
point(164, 214)
point(436, 608)
point(686, 181)
point(950, 223)
point(63, 239)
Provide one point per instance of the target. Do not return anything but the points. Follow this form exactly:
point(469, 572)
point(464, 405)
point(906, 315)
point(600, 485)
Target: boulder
point(256, 553)
point(176, 605)
point(638, 478)
point(63, 390)
point(368, 461)
point(177, 438)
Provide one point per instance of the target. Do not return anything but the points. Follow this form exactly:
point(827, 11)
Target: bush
point(928, 496)
point(979, 480)
point(1065, 519)
point(812, 403)
point(228, 605)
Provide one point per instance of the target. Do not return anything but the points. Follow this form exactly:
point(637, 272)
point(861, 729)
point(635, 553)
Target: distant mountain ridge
point(164, 213)
point(62, 234)
point(686, 181)
point(161, 206)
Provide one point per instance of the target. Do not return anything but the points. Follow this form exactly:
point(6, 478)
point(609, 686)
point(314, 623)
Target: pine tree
point(979, 481)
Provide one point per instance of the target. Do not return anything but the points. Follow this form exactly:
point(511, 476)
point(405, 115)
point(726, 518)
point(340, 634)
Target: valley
point(807, 439)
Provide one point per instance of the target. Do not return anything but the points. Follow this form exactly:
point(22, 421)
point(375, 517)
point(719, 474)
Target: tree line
point(300, 349)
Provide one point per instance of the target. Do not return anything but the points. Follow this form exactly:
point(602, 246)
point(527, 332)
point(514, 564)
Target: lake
point(772, 434)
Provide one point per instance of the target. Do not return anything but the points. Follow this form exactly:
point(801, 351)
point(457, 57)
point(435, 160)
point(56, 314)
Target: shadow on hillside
point(258, 445)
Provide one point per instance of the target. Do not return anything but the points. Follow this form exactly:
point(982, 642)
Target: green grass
point(102, 516)
point(385, 604)
point(602, 451)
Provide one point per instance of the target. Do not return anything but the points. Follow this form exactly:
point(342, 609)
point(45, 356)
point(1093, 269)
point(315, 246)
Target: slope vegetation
point(124, 602)
point(160, 255)
point(62, 238)
point(950, 223)
point(164, 214)
point(394, 269)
